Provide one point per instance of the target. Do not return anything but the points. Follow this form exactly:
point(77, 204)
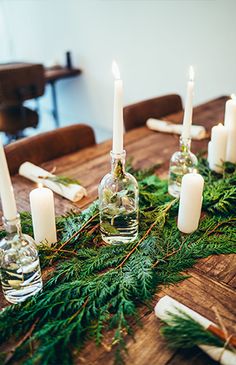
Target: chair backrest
point(49, 145)
point(136, 115)
point(20, 82)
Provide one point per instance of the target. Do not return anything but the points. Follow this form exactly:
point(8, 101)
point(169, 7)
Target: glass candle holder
point(19, 264)
point(182, 162)
point(118, 203)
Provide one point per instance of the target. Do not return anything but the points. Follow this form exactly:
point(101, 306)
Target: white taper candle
point(6, 189)
point(118, 128)
point(188, 111)
point(43, 215)
point(190, 203)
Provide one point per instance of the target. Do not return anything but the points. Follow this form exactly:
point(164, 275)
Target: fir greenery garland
point(92, 287)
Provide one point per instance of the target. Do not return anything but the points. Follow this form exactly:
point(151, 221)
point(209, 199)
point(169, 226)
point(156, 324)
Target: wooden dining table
point(211, 281)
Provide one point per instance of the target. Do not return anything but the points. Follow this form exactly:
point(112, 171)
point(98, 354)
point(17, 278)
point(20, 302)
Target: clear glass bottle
point(182, 162)
point(118, 203)
point(19, 264)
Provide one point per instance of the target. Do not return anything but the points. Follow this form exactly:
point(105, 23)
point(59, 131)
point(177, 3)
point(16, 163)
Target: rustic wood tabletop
point(211, 282)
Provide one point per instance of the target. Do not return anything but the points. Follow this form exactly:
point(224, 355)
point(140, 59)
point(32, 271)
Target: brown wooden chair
point(19, 82)
point(49, 145)
point(136, 115)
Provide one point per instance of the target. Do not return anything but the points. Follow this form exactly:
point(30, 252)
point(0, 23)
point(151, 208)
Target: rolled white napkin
point(32, 172)
point(167, 306)
point(196, 132)
point(224, 357)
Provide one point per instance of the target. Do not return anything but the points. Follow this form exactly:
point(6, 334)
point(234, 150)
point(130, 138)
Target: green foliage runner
point(93, 287)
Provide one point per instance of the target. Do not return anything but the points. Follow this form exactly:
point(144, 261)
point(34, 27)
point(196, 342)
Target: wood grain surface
point(212, 281)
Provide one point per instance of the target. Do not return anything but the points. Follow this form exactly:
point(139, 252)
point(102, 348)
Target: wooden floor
point(212, 280)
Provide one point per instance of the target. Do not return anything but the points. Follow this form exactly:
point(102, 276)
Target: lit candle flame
point(115, 70)
point(40, 185)
point(191, 73)
point(233, 96)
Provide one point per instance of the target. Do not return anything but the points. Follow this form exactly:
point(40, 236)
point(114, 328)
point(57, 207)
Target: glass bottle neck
point(185, 144)
point(118, 164)
point(12, 226)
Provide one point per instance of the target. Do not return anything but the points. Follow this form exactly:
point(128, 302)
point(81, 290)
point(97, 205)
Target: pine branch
point(77, 232)
point(160, 219)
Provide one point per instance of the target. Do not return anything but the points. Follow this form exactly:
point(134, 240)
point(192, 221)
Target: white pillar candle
point(218, 147)
point(230, 124)
point(209, 152)
point(43, 215)
point(6, 189)
point(190, 203)
point(231, 146)
point(230, 112)
point(117, 145)
point(188, 111)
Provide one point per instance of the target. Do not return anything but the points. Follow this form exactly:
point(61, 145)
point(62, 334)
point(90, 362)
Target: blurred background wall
point(153, 42)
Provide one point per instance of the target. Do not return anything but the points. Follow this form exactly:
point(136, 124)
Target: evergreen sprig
point(96, 287)
point(60, 179)
point(181, 331)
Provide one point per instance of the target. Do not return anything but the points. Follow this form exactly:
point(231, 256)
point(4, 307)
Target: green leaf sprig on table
point(93, 288)
point(181, 331)
point(60, 179)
